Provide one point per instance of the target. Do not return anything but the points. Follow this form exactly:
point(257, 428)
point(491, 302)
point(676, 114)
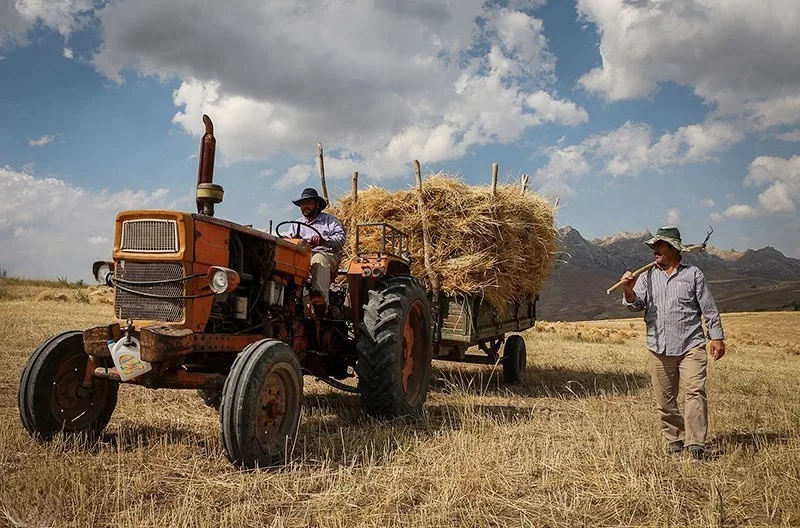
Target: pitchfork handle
point(641, 270)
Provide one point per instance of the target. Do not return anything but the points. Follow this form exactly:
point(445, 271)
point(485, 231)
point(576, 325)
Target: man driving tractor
point(326, 236)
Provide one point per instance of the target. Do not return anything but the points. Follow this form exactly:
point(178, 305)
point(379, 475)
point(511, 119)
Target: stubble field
point(575, 445)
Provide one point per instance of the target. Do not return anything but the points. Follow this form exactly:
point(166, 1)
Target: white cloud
point(740, 211)
point(792, 136)
point(716, 217)
point(744, 62)
point(54, 225)
point(406, 85)
point(17, 17)
point(673, 217)
point(99, 240)
point(707, 202)
point(295, 175)
point(266, 173)
point(67, 53)
point(44, 140)
point(783, 179)
point(632, 148)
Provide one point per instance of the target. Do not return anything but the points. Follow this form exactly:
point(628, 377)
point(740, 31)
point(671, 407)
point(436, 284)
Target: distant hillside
point(754, 280)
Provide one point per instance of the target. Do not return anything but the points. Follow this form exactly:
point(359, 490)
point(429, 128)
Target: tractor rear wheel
point(395, 349)
point(51, 397)
point(261, 402)
point(515, 359)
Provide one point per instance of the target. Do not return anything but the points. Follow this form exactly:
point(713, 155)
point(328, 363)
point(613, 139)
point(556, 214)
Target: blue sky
point(633, 114)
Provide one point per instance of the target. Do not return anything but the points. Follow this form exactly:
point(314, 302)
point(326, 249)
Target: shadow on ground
point(541, 383)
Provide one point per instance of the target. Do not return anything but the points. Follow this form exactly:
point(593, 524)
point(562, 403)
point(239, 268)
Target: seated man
point(326, 249)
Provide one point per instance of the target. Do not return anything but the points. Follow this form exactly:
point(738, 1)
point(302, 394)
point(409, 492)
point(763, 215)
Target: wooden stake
point(524, 183)
point(495, 168)
point(426, 240)
point(322, 173)
point(355, 188)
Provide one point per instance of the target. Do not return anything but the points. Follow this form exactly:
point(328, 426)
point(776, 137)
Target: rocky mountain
point(753, 280)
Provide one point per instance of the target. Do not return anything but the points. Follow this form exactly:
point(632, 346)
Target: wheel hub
point(271, 407)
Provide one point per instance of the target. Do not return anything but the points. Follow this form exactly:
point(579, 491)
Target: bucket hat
point(310, 192)
point(668, 234)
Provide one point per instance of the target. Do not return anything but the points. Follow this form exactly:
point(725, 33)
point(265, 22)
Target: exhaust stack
point(208, 193)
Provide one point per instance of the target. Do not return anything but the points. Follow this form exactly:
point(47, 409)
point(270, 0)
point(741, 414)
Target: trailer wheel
point(395, 350)
point(261, 401)
point(51, 398)
point(515, 359)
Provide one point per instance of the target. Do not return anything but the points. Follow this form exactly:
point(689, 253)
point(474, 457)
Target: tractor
point(225, 309)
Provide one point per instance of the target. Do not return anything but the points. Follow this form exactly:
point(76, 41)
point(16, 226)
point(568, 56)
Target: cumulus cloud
point(782, 176)
point(44, 140)
point(707, 202)
point(791, 136)
point(17, 17)
point(53, 225)
point(673, 217)
point(740, 211)
point(632, 148)
point(426, 80)
point(67, 53)
point(742, 62)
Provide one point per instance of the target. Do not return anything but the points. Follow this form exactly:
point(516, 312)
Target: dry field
point(575, 445)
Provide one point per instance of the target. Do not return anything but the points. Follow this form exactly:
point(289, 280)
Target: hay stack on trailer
point(499, 246)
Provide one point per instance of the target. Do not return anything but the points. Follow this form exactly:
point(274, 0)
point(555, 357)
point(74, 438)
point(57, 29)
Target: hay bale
point(501, 248)
point(101, 295)
point(52, 295)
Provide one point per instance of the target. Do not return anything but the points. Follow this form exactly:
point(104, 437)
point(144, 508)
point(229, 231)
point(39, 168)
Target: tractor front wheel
point(52, 398)
point(261, 402)
point(395, 349)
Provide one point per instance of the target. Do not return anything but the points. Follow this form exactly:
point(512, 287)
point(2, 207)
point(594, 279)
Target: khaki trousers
point(666, 373)
point(322, 265)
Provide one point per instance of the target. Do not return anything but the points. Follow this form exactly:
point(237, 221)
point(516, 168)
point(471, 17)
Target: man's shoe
point(698, 452)
point(674, 448)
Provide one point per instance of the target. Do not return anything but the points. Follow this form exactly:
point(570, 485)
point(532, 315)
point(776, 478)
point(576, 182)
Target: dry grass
point(575, 445)
point(501, 248)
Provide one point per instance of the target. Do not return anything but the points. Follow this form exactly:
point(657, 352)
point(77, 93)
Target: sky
point(632, 113)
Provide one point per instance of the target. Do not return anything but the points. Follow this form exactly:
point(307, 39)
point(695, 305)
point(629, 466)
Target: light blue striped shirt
point(329, 227)
point(672, 309)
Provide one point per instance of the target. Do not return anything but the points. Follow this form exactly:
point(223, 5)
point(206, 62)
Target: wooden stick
point(322, 173)
point(426, 240)
point(495, 168)
point(355, 188)
point(698, 247)
point(524, 183)
point(557, 199)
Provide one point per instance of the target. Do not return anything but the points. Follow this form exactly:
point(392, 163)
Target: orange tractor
point(207, 304)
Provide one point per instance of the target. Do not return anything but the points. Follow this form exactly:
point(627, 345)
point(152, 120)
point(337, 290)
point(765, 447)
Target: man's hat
point(311, 193)
point(668, 234)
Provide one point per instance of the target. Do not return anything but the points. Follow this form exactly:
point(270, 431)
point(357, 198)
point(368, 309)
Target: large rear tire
point(261, 403)
point(515, 359)
point(51, 398)
point(395, 349)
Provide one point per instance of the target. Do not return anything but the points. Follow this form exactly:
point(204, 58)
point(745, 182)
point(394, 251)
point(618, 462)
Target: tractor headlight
point(222, 280)
point(103, 271)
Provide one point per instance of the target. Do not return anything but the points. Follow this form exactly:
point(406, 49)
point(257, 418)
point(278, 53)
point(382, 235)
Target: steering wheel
point(278, 229)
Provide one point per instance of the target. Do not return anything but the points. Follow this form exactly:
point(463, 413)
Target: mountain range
point(754, 280)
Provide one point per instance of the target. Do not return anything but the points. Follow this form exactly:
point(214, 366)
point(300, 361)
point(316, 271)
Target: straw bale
point(501, 248)
point(51, 295)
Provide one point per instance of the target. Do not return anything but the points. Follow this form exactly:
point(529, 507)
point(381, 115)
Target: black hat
point(311, 193)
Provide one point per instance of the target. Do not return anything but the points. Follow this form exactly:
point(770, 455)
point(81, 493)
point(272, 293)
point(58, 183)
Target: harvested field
point(575, 445)
point(502, 248)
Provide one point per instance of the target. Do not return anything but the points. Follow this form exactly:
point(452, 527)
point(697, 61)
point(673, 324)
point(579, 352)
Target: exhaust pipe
point(208, 193)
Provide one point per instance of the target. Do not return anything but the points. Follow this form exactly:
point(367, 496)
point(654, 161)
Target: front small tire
point(261, 403)
point(51, 398)
point(515, 359)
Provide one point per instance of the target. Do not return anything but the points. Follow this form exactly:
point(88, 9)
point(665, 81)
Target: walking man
point(673, 296)
point(326, 242)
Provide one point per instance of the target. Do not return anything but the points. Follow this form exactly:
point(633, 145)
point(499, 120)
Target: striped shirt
point(672, 309)
point(329, 227)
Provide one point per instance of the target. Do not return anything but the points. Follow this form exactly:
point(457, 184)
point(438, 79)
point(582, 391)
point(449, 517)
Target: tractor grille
point(131, 306)
point(150, 236)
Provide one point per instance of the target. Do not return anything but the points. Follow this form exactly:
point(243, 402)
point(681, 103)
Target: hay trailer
point(461, 321)
point(206, 304)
